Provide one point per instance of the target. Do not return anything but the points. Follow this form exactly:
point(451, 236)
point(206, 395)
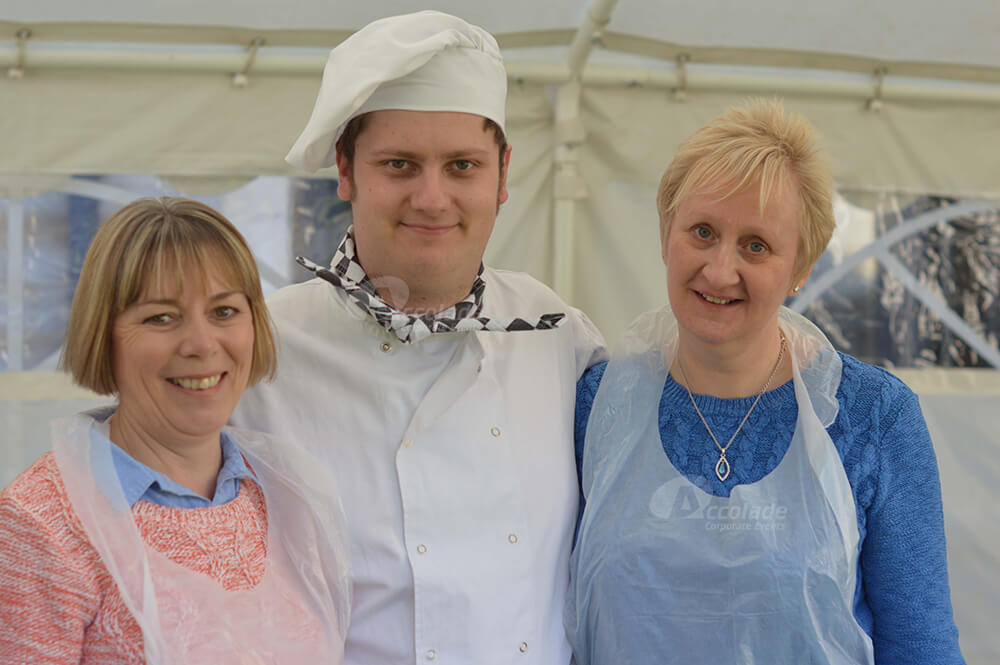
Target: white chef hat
point(426, 61)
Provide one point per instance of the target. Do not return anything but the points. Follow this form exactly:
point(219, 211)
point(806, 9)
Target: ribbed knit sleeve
point(586, 390)
point(48, 593)
point(903, 561)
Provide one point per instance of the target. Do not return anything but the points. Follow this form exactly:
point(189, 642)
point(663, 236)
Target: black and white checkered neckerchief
point(347, 274)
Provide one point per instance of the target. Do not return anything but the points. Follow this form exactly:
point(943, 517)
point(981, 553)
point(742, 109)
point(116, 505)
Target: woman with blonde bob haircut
point(150, 241)
point(751, 494)
point(154, 533)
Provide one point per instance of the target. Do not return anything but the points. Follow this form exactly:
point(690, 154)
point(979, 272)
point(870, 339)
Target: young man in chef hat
point(439, 391)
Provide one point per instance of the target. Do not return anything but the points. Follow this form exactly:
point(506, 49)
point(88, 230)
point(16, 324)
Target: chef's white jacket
point(454, 460)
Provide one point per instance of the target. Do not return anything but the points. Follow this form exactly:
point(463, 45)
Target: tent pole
point(750, 80)
point(15, 282)
point(568, 184)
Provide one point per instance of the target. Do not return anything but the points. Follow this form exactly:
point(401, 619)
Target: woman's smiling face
point(181, 358)
point(730, 265)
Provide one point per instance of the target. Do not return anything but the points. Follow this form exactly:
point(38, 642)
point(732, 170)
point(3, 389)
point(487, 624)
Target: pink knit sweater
point(58, 603)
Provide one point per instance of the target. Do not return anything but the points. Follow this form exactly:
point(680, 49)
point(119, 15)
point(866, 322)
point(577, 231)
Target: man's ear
point(504, 168)
point(345, 183)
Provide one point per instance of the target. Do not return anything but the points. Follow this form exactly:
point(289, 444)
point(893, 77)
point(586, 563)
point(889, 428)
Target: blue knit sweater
point(902, 600)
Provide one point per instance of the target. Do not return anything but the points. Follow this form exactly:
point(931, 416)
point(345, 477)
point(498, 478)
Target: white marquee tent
point(100, 99)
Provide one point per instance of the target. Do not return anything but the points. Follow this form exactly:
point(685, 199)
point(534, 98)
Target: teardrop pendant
point(722, 468)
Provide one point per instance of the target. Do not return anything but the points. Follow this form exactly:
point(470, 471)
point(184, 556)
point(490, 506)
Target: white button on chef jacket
point(454, 460)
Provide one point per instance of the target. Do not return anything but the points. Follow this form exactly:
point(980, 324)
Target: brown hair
point(144, 244)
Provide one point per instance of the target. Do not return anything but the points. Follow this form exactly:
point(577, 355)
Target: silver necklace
point(723, 467)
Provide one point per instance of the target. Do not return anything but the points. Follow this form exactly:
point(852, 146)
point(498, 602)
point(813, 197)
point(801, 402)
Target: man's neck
point(424, 293)
point(420, 301)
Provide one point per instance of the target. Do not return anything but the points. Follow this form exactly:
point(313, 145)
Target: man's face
point(425, 188)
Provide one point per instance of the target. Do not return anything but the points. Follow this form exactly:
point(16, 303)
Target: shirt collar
point(137, 479)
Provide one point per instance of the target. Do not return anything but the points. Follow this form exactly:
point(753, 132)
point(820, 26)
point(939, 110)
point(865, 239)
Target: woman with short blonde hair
point(751, 494)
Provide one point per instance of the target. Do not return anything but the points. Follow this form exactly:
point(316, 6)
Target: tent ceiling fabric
point(960, 32)
point(70, 117)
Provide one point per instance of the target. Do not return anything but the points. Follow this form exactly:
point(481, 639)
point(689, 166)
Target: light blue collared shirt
point(138, 481)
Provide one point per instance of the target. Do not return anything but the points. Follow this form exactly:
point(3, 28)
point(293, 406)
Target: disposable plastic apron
point(665, 573)
point(297, 613)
